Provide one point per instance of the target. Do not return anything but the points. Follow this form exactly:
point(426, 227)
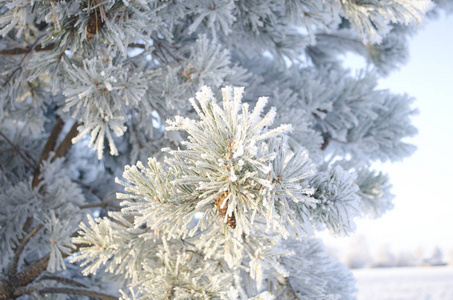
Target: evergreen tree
point(225, 133)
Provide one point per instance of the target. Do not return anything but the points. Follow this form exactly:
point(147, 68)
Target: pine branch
point(18, 151)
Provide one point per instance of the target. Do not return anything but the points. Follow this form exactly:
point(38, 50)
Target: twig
point(65, 47)
point(62, 149)
point(201, 255)
point(325, 142)
point(19, 51)
point(87, 187)
point(341, 38)
point(52, 140)
point(66, 144)
point(104, 202)
point(40, 288)
point(160, 46)
point(14, 282)
point(30, 272)
point(162, 52)
point(290, 287)
point(50, 145)
point(19, 66)
point(21, 248)
point(103, 205)
point(63, 280)
point(338, 141)
point(76, 291)
point(18, 151)
point(27, 224)
point(135, 45)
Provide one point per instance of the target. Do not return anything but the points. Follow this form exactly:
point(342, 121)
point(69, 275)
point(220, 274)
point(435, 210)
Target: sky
point(422, 183)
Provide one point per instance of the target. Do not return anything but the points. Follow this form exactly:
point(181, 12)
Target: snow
point(427, 283)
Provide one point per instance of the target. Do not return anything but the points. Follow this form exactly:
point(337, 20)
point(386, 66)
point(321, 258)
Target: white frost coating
point(269, 190)
point(225, 207)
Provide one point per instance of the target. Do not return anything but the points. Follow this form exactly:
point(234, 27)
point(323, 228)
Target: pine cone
point(95, 24)
point(231, 220)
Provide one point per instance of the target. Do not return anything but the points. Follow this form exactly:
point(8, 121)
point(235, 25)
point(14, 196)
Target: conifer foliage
point(191, 149)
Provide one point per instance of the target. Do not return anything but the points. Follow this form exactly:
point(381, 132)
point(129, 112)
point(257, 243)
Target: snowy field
point(426, 283)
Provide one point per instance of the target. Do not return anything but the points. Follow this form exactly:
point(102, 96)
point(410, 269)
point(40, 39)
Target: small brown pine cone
point(231, 220)
point(94, 25)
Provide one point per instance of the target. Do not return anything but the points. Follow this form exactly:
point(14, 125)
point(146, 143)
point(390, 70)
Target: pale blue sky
point(422, 183)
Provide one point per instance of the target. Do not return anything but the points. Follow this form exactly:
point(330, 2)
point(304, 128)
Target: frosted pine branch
point(222, 200)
